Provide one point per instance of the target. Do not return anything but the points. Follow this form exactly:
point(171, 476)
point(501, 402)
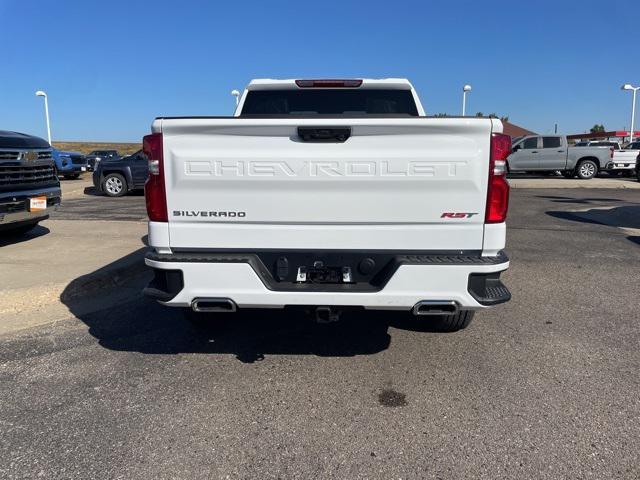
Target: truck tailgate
point(241, 183)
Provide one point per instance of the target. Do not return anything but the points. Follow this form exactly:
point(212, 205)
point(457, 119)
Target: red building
point(621, 134)
point(515, 131)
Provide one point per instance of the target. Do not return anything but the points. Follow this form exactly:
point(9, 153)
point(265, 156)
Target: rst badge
point(458, 214)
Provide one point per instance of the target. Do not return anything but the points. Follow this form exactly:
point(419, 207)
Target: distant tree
point(493, 115)
point(597, 128)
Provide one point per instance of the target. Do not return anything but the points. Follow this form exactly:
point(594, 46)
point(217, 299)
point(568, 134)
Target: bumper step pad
point(487, 289)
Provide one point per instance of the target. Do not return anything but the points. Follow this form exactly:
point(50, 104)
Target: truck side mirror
point(516, 148)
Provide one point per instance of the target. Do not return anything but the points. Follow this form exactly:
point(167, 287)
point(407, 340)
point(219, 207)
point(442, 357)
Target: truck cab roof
point(275, 84)
point(290, 95)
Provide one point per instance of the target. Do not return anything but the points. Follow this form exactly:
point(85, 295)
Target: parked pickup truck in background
point(69, 164)
point(116, 177)
point(599, 143)
point(29, 187)
point(96, 156)
point(624, 160)
point(540, 153)
point(328, 194)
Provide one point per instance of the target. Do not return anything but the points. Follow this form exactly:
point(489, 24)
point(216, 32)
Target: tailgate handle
point(324, 134)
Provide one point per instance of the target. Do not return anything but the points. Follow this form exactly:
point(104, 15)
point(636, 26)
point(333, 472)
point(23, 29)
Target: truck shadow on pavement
point(624, 217)
point(110, 303)
point(249, 335)
point(585, 201)
point(92, 191)
point(7, 238)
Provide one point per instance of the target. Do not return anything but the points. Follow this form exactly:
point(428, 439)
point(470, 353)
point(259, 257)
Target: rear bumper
point(470, 283)
point(630, 166)
point(72, 168)
point(14, 206)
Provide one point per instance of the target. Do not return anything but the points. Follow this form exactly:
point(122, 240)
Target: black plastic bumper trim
point(487, 289)
point(165, 285)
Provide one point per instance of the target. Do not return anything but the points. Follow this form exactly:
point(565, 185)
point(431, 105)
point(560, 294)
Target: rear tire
point(114, 185)
point(453, 323)
point(72, 176)
point(587, 169)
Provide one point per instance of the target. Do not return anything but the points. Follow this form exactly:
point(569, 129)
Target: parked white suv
point(329, 194)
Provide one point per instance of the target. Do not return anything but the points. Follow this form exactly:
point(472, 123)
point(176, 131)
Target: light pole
point(627, 86)
point(40, 93)
point(465, 89)
point(236, 94)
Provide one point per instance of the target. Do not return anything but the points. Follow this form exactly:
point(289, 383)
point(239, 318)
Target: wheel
point(453, 323)
point(587, 169)
point(72, 176)
point(20, 229)
point(114, 185)
point(568, 173)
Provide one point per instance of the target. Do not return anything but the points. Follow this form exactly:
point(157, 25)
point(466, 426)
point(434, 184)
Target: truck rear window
point(322, 101)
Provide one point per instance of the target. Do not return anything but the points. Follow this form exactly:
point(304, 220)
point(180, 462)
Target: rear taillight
point(498, 188)
point(328, 83)
point(154, 190)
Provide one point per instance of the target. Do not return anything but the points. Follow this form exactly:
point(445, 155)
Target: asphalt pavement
point(546, 386)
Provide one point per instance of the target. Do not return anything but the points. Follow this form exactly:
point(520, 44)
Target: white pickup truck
point(624, 159)
point(329, 194)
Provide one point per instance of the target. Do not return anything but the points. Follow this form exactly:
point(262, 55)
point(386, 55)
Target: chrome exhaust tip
point(435, 307)
point(220, 305)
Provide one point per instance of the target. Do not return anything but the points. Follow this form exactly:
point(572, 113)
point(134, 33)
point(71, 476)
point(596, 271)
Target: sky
point(110, 67)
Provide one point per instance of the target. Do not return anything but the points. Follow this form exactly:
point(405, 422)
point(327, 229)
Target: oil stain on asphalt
point(390, 398)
